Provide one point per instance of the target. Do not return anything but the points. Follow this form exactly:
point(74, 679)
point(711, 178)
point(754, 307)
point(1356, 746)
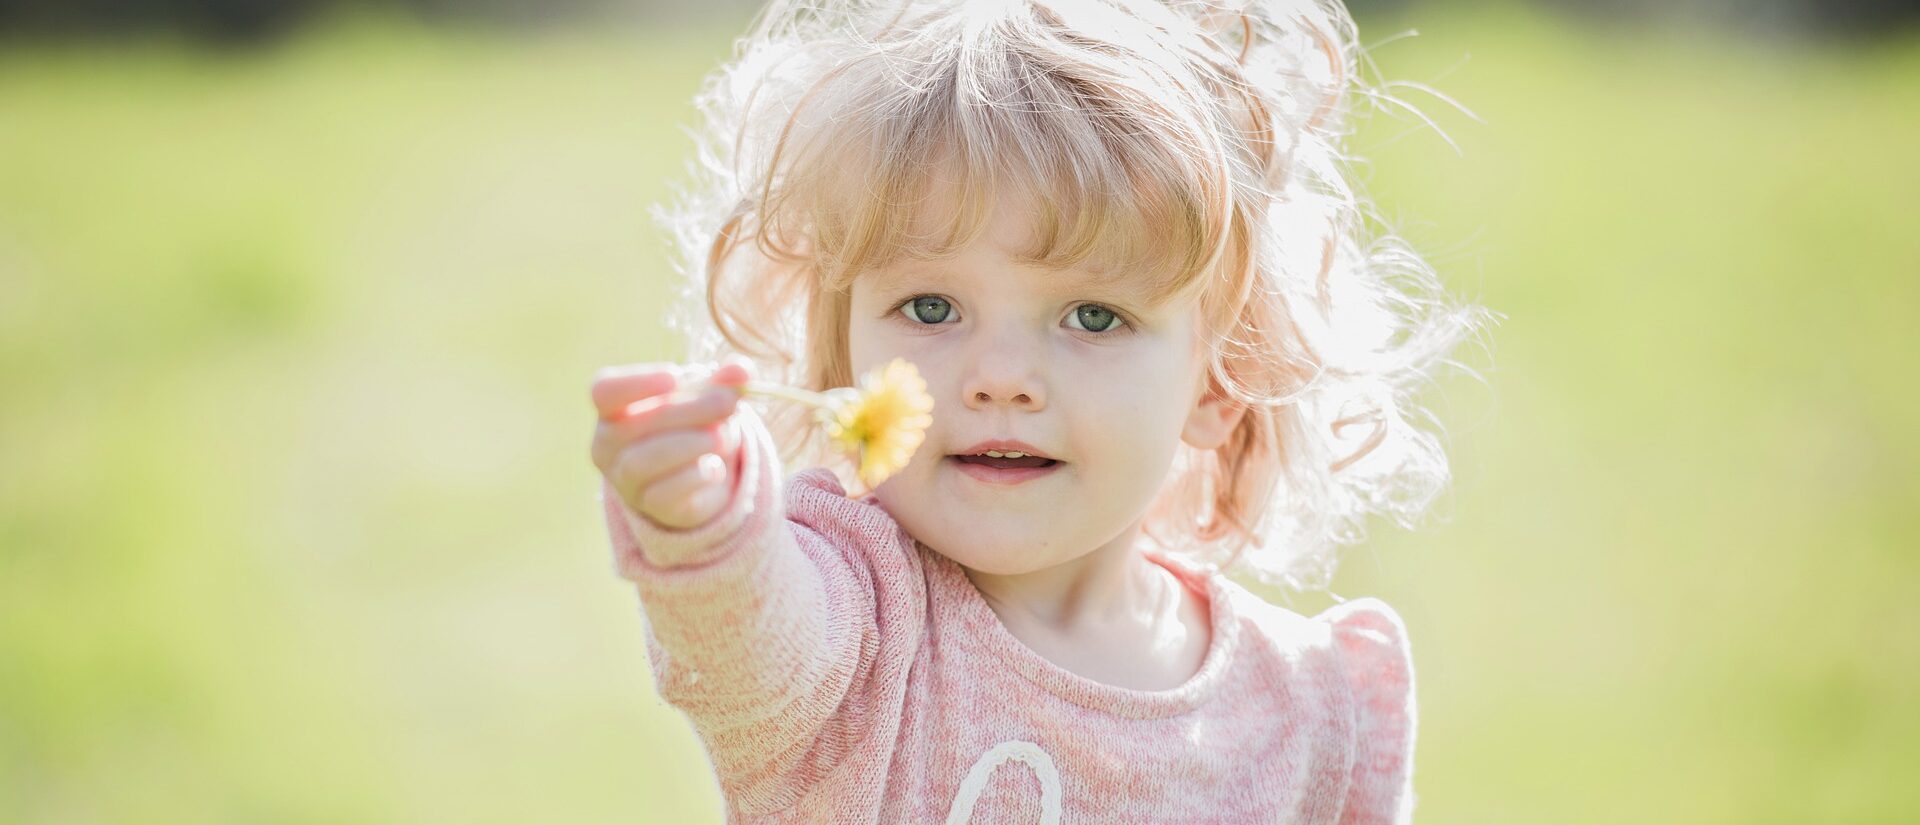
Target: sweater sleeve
point(755, 631)
point(1378, 665)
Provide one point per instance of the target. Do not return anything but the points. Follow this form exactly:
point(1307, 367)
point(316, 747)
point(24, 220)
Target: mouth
point(1005, 462)
point(1005, 454)
point(1005, 469)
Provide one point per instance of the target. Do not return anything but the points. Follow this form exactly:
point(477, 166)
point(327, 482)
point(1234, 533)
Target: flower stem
point(769, 389)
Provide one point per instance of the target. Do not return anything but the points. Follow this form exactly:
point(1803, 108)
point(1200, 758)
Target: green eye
point(1095, 318)
point(930, 310)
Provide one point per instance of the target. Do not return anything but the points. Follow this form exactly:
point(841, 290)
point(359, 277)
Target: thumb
point(713, 498)
point(729, 435)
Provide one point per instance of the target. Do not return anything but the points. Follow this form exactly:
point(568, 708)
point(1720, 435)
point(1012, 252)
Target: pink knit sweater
point(839, 671)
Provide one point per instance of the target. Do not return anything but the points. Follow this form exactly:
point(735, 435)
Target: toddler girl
point(1116, 239)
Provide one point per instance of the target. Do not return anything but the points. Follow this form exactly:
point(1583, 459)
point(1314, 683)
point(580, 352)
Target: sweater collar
point(961, 602)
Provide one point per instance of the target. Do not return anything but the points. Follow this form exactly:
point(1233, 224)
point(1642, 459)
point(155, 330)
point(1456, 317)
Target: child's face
point(1083, 371)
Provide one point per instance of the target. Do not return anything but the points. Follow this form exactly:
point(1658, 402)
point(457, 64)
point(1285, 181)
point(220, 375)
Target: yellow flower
point(885, 420)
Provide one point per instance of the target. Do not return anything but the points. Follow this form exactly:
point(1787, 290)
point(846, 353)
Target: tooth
point(995, 454)
point(1016, 454)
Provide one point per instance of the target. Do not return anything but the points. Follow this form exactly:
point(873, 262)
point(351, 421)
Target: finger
point(610, 442)
point(733, 373)
point(688, 496)
point(648, 459)
point(660, 413)
point(729, 436)
point(616, 388)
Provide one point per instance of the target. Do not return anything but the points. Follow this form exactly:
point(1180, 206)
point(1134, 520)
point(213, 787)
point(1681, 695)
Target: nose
point(1004, 375)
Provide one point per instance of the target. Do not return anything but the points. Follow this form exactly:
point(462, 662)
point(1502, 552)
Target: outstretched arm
point(750, 616)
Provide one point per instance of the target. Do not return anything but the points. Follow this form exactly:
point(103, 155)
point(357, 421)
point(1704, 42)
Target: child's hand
point(672, 457)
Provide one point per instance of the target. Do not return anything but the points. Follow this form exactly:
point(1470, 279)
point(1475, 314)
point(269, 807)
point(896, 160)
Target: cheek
point(872, 343)
point(1140, 402)
point(1145, 382)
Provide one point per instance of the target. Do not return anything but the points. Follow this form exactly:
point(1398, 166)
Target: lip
point(1004, 475)
point(1004, 445)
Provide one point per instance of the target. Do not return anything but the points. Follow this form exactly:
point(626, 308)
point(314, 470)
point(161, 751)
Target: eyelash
point(1126, 324)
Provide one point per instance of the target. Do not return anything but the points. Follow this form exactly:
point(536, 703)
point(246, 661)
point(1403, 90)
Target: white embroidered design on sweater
point(983, 768)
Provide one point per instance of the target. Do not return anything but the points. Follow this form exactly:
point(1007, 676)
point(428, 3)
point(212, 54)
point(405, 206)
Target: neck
point(1112, 583)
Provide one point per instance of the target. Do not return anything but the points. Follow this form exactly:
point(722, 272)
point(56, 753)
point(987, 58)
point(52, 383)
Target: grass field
point(297, 522)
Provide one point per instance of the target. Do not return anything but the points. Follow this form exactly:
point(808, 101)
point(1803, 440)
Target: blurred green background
point(297, 522)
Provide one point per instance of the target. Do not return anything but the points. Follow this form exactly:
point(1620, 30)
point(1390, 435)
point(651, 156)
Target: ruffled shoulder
point(1371, 642)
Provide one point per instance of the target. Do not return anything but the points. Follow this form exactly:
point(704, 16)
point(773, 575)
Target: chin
point(993, 557)
point(1001, 544)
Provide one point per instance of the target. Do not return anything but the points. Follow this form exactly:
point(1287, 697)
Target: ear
point(1212, 419)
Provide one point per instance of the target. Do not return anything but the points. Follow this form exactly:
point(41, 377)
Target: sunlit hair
point(1195, 144)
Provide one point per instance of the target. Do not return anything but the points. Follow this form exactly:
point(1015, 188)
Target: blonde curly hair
point(1198, 142)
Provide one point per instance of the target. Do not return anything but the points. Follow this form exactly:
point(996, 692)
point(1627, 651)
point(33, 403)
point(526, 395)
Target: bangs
point(914, 162)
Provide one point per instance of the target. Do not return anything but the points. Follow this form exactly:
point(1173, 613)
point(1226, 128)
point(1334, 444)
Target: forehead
point(1011, 238)
point(940, 218)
